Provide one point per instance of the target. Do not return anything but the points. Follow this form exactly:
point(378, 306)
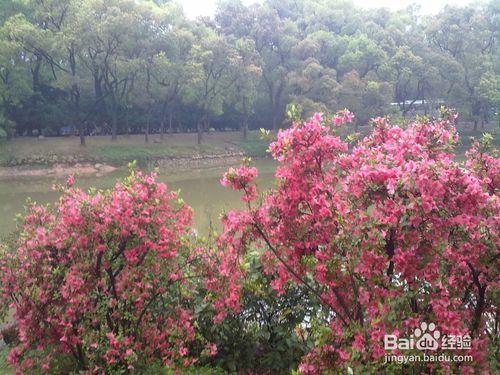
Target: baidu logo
point(427, 337)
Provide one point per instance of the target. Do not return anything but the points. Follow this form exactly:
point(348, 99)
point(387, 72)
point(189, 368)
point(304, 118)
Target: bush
point(6, 127)
point(101, 282)
point(262, 337)
point(384, 237)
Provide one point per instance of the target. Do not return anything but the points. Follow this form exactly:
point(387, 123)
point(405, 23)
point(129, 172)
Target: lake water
point(199, 188)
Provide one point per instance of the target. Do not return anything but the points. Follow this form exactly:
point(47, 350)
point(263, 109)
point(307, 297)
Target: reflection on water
point(200, 189)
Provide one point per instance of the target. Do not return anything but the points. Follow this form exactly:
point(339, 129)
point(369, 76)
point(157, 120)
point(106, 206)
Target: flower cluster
point(103, 279)
point(385, 236)
point(242, 178)
point(342, 117)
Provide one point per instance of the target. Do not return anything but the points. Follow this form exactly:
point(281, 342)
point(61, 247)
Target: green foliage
point(140, 66)
point(263, 336)
point(193, 370)
point(293, 112)
point(254, 146)
point(4, 367)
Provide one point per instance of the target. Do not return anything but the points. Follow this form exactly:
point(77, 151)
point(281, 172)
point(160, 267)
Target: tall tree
point(169, 71)
point(214, 62)
point(247, 74)
point(274, 40)
point(468, 35)
point(115, 44)
point(15, 85)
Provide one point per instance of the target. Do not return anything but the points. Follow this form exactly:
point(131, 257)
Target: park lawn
point(53, 150)
point(67, 150)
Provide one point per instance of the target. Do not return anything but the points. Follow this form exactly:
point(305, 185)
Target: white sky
point(195, 8)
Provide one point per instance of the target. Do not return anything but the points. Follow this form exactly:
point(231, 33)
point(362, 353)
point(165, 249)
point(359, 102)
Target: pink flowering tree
point(384, 234)
point(101, 283)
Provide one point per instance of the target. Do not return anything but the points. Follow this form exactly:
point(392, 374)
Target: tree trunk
point(114, 119)
point(75, 95)
point(170, 129)
point(206, 125)
point(245, 129)
point(99, 97)
point(162, 127)
point(36, 92)
point(82, 135)
point(146, 133)
point(127, 128)
point(76, 115)
point(162, 121)
point(200, 130)
point(244, 125)
point(274, 114)
point(275, 98)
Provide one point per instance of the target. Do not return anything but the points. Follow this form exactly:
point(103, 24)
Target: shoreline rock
point(56, 170)
point(99, 169)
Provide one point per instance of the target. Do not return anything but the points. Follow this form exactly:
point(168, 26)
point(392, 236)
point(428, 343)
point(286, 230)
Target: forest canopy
point(121, 66)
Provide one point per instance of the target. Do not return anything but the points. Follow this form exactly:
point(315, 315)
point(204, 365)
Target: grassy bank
point(67, 150)
point(100, 149)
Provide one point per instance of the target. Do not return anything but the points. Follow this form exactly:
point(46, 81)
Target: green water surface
point(199, 188)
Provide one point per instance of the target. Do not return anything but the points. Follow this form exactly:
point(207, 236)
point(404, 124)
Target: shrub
point(385, 233)
point(6, 127)
point(101, 282)
point(262, 337)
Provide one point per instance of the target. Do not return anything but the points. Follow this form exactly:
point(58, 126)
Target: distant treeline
point(128, 66)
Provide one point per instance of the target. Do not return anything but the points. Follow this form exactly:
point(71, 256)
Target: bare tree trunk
point(162, 126)
point(245, 130)
point(206, 125)
point(114, 125)
point(35, 96)
point(76, 116)
point(114, 118)
point(82, 136)
point(200, 131)
point(275, 98)
point(162, 123)
point(274, 117)
point(127, 127)
point(170, 115)
point(146, 133)
point(201, 126)
point(75, 97)
point(101, 103)
point(148, 122)
point(244, 125)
